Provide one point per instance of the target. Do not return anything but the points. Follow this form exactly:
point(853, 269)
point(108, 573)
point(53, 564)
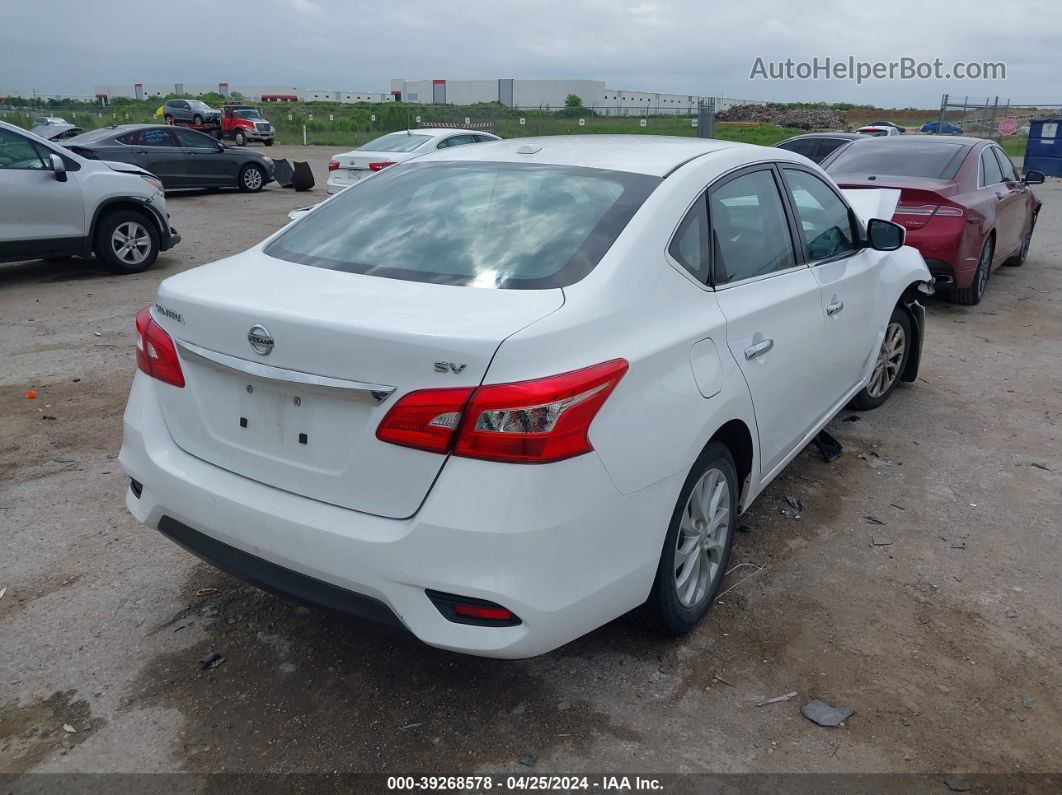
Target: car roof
point(838, 134)
point(655, 155)
point(932, 140)
point(437, 132)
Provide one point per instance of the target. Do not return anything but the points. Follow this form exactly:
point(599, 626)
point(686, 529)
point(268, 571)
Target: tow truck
point(243, 123)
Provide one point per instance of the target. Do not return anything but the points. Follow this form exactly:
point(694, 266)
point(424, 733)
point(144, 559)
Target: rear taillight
point(333, 165)
point(378, 166)
point(942, 210)
point(155, 353)
point(530, 422)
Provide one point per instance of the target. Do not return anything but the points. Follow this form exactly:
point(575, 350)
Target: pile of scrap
point(773, 113)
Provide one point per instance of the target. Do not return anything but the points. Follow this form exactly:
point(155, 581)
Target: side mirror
point(885, 235)
point(59, 167)
point(221, 146)
point(1033, 178)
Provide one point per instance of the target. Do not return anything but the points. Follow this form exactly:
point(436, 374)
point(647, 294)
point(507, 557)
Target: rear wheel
point(169, 119)
point(1023, 252)
point(197, 119)
point(697, 546)
point(268, 141)
point(239, 138)
point(972, 295)
point(126, 242)
point(888, 368)
point(252, 178)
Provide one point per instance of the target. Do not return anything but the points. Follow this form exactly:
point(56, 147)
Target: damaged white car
point(503, 394)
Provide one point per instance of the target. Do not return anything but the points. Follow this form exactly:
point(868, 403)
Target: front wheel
point(889, 366)
point(268, 141)
point(239, 138)
point(697, 546)
point(252, 178)
point(1023, 252)
point(126, 242)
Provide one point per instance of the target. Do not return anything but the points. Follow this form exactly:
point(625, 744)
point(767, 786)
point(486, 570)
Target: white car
point(348, 168)
point(507, 393)
point(878, 130)
point(55, 204)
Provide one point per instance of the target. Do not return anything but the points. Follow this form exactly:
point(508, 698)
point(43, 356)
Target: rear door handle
point(758, 348)
point(835, 307)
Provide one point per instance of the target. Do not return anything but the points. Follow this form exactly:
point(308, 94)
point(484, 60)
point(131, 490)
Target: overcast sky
point(681, 46)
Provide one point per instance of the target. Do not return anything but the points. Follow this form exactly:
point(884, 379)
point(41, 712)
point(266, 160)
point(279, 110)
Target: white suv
point(55, 204)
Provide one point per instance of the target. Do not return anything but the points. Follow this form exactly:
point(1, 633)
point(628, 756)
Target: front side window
point(690, 245)
point(190, 139)
point(991, 174)
point(829, 146)
point(394, 142)
point(750, 234)
point(17, 152)
point(507, 225)
point(823, 217)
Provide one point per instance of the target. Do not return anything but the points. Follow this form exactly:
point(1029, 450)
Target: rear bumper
point(556, 544)
point(943, 243)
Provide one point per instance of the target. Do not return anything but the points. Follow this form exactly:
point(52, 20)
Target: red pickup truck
point(243, 123)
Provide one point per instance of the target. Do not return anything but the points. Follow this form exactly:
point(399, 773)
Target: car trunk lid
point(921, 198)
point(289, 370)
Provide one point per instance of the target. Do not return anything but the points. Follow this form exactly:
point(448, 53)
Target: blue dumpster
point(1044, 150)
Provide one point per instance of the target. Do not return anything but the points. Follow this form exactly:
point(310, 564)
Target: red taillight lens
point(378, 166)
point(530, 422)
point(155, 353)
point(537, 421)
point(333, 165)
point(425, 420)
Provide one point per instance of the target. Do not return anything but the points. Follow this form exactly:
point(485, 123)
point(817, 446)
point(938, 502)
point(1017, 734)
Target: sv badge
point(449, 367)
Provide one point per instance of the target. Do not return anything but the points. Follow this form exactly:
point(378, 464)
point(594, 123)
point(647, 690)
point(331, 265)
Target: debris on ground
point(794, 503)
point(3, 591)
point(829, 448)
point(719, 678)
point(899, 507)
point(1044, 467)
point(528, 760)
point(410, 726)
point(206, 592)
point(873, 519)
point(31, 395)
point(1011, 612)
point(47, 417)
point(211, 661)
point(64, 459)
point(776, 113)
point(777, 699)
point(69, 729)
point(957, 784)
point(823, 714)
point(880, 541)
point(958, 545)
point(564, 706)
point(1026, 700)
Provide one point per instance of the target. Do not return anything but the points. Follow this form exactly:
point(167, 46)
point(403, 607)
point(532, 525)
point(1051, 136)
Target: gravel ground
point(947, 642)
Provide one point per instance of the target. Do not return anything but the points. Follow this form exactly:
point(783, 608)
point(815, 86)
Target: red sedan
point(961, 202)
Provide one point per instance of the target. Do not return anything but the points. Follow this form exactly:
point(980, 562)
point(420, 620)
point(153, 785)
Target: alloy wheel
point(252, 178)
point(983, 267)
point(702, 537)
point(131, 242)
point(890, 357)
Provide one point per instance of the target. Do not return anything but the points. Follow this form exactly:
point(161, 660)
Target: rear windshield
point(90, 136)
point(506, 225)
point(932, 159)
point(394, 142)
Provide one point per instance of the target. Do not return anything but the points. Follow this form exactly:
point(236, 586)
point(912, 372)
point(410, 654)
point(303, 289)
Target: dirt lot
point(947, 641)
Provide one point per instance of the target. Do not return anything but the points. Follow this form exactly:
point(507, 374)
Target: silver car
point(194, 111)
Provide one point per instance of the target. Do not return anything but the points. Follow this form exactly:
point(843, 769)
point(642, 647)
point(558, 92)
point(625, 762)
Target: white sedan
point(347, 168)
point(878, 130)
point(507, 393)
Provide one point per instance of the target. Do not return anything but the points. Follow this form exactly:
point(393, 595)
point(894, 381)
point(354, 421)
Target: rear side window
point(1005, 164)
point(899, 157)
point(991, 174)
point(802, 146)
point(506, 225)
point(823, 217)
point(689, 247)
point(153, 136)
point(750, 233)
point(394, 142)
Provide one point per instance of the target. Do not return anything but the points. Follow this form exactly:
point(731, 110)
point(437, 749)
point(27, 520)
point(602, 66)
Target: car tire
point(168, 119)
point(972, 295)
point(252, 178)
point(197, 119)
point(892, 359)
point(268, 142)
point(697, 546)
point(239, 138)
point(117, 229)
point(1023, 253)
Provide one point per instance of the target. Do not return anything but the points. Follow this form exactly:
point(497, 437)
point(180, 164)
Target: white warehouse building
point(253, 93)
point(542, 94)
